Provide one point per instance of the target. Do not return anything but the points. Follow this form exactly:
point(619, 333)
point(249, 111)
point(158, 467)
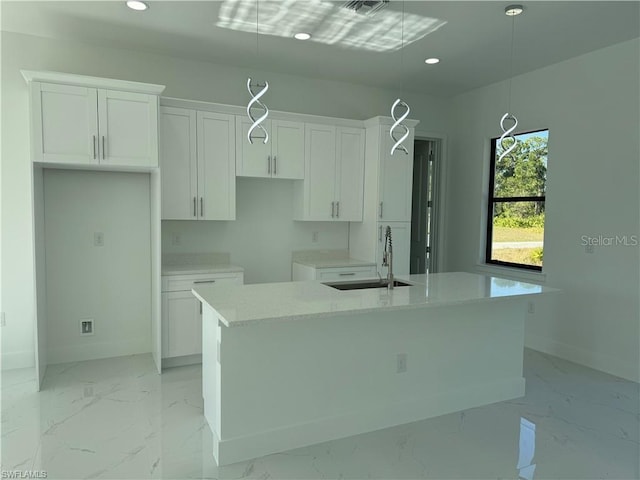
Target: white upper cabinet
point(65, 124)
point(128, 127)
point(91, 121)
point(281, 157)
point(178, 163)
point(197, 161)
point(350, 173)
point(333, 184)
point(216, 166)
point(395, 181)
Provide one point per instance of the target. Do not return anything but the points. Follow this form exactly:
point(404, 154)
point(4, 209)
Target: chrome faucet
point(387, 257)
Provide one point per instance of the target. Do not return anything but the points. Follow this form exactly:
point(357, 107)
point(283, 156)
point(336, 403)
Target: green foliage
point(536, 255)
point(513, 220)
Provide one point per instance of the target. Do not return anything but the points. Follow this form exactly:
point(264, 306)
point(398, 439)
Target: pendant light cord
point(402, 52)
point(513, 30)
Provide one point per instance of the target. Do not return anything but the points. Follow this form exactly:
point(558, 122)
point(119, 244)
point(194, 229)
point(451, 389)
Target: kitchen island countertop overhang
point(239, 305)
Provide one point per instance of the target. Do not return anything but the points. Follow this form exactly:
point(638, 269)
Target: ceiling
point(472, 38)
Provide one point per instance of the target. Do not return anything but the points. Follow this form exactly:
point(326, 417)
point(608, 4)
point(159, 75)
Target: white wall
point(263, 235)
point(184, 79)
point(590, 104)
point(109, 283)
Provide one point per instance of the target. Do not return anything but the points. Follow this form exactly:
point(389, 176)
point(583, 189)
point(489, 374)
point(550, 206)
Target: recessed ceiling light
point(513, 10)
point(302, 36)
point(137, 5)
point(432, 61)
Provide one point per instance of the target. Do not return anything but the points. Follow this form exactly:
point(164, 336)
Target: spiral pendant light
point(257, 91)
point(397, 112)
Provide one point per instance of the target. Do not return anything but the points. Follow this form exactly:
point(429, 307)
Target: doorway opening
point(424, 206)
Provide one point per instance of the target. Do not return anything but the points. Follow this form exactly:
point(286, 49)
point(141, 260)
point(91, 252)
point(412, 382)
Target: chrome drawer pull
point(205, 281)
point(347, 274)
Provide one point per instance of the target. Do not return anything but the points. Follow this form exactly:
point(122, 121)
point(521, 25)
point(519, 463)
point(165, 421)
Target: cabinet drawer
point(346, 273)
point(178, 283)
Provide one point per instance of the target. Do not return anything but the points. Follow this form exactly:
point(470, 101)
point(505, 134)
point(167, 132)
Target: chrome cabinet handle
point(380, 233)
point(333, 207)
point(269, 164)
point(205, 281)
point(94, 147)
point(347, 274)
point(104, 150)
point(201, 206)
point(195, 212)
point(338, 209)
point(380, 209)
point(275, 165)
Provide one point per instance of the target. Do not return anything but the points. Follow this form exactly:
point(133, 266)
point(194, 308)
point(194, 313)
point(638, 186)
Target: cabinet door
point(128, 124)
point(320, 153)
point(216, 166)
point(182, 334)
point(178, 163)
point(401, 240)
point(65, 124)
point(287, 149)
point(350, 174)
point(252, 160)
point(396, 178)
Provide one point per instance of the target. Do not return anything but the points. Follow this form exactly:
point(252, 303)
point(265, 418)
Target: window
point(516, 207)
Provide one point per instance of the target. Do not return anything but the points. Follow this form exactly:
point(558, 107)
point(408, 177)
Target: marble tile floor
point(118, 419)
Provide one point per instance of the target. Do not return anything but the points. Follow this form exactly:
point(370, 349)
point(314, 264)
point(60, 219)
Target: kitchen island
point(292, 364)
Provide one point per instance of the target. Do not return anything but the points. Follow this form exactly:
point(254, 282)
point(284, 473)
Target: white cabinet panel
point(216, 166)
point(198, 165)
point(128, 124)
point(396, 176)
point(287, 150)
point(333, 186)
point(183, 324)
point(350, 175)
point(253, 159)
point(320, 153)
point(178, 163)
point(65, 124)
point(401, 241)
point(281, 157)
point(181, 313)
point(88, 126)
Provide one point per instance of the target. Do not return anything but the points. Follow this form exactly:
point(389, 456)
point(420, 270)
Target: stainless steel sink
point(364, 284)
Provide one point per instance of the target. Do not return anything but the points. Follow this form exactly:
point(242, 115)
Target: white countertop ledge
point(241, 305)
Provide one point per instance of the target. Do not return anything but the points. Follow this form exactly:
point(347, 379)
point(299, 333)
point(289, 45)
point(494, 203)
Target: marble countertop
point(335, 262)
point(238, 305)
point(198, 263)
point(196, 269)
point(328, 259)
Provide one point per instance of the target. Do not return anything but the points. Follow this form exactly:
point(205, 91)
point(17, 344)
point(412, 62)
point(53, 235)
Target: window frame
point(492, 200)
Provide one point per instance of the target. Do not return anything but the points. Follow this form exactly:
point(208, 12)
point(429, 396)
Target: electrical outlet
point(588, 249)
point(175, 239)
point(3, 320)
point(86, 326)
point(531, 308)
point(314, 237)
point(98, 239)
point(401, 366)
point(88, 391)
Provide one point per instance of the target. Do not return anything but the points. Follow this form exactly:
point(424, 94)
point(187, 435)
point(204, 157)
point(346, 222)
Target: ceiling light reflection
point(329, 23)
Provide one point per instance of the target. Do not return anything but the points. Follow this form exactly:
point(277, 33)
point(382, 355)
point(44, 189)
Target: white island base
point(288, 382)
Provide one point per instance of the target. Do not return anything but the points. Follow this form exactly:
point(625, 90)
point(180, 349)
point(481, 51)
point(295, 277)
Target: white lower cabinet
point(332, 274)
point(182, 314)
point(401, 242)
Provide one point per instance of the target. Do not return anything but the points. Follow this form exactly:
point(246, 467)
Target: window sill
point(512, 273)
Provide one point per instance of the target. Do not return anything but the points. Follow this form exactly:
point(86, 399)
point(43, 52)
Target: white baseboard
point(367, 420)
point(22, 359)
point(597, 361)
point(95, 351)
point(182, 361)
